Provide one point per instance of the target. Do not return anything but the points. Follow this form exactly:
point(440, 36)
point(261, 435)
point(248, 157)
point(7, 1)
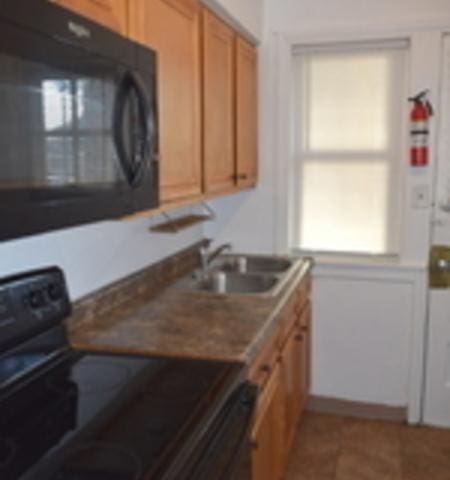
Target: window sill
point(359, 261)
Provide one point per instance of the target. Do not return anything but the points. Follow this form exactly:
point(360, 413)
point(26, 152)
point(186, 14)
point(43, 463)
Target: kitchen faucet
point(206, 257)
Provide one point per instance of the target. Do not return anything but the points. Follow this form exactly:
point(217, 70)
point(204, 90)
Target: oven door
point(219, 454)
point(77, 121)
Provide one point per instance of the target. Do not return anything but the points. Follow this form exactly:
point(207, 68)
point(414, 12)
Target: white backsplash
point(95, 255)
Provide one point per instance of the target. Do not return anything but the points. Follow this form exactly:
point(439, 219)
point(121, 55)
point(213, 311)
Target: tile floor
point(329, 447)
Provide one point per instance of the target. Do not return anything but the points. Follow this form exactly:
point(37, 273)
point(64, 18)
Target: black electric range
point(69, 415)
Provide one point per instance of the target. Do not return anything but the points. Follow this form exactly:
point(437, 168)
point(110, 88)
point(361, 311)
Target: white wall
point(248, 13)
point(94, 255)
point(352, 359)
point(314, 15)
point(349, 351)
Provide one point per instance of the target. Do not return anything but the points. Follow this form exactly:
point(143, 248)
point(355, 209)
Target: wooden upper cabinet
point(218, 105)
point(207, 92)
point(172, 28)
point(109, 13)
point(246, 113)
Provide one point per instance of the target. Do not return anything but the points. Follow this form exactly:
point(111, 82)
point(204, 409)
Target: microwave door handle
point(122, 95)
point(143, 151)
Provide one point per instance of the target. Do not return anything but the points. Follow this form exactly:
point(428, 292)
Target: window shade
point(348, 126)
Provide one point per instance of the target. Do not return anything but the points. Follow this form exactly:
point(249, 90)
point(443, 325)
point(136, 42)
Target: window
point(348, 129)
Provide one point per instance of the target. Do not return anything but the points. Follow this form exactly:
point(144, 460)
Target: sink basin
point(259, 275)
point(254, 264)
point(230, 282)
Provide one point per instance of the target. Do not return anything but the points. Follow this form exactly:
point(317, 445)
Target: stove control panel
point(30, 302)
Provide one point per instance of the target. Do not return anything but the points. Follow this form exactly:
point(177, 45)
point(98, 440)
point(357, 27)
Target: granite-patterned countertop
point(183, 323)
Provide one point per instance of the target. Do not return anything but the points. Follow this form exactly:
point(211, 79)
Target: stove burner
point(103, 458)
point(93, 376)
point(8, 450)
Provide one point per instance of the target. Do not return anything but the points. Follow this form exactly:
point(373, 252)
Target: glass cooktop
point(102, 416)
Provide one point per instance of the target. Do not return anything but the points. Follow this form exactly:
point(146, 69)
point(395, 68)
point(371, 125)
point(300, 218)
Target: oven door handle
point(240, 406)
point(140, 130)
point(248, 401)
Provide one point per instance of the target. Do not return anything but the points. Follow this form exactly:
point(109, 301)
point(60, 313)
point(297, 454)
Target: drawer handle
point(239, 176)
point(254, 444)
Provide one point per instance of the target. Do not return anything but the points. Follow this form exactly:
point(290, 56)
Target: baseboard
point(347, 408)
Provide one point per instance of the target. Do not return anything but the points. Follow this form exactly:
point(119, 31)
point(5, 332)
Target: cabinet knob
point(299, 337)
point(265, 368)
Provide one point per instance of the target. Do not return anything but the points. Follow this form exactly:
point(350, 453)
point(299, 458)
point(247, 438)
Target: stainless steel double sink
point(244, 274)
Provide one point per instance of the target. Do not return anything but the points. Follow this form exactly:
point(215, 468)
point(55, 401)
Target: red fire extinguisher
point(419, 129)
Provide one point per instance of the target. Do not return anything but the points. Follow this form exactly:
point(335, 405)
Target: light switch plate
point(420, 196)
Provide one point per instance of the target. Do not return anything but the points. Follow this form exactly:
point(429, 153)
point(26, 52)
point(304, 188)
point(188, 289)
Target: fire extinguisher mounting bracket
point(420, 99)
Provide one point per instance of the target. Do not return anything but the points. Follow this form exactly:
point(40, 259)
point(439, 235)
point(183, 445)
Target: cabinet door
point(246, 113)
point(218, 105)
point(268, 447)
point(292, 368)
point(172, 28)
point(109, 13)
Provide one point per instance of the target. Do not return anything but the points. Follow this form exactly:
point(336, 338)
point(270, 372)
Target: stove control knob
point(54, 291)
point(36, 299)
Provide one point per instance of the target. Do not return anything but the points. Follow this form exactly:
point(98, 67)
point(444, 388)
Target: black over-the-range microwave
point(78, 121)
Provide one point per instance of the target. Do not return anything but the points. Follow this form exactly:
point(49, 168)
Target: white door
point(437, 367)
point(437, 373)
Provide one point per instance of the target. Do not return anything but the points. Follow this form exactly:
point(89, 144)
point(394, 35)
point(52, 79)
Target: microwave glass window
point(59, 120)
point(57, 105)
point(77, 114)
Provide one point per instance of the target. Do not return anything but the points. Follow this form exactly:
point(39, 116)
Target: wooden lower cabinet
point(293, 380)
point(282, 372)
point(267, 438)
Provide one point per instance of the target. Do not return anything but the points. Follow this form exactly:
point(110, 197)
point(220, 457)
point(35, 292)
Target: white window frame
point(396, 185)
